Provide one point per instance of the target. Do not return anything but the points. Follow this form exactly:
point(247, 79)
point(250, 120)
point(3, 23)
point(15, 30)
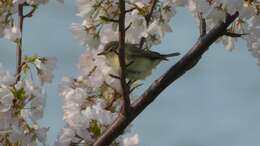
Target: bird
point(139, 62)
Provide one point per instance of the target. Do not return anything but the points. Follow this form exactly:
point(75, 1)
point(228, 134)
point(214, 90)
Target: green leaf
point(95, 128)
point(105, 20)
point(25, 68)
point(30, 59)
point(19, 94)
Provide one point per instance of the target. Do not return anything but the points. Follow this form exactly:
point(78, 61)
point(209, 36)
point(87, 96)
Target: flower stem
point(19, 43)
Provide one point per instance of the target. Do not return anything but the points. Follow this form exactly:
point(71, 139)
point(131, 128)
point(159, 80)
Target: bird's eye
point(114, 51)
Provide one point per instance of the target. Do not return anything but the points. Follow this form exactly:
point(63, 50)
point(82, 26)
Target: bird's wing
point(136, 52)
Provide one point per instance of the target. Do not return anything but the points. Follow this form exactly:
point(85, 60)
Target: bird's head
point(111, 47)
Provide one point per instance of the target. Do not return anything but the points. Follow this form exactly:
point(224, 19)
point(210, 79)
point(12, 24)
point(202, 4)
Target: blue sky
point(215, 104)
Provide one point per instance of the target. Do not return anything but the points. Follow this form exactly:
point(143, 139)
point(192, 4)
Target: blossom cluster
point(99, 24)
point(7, 27)
point(88, 112)
point(215, 11)
point(43, 65)
point(98, 28)
point(22, 100)
point(21, 106)
point(146, 22)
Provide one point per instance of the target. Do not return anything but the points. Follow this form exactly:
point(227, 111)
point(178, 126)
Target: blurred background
point(215, 104)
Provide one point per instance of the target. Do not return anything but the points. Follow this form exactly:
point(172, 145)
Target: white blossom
point(130, 141)
point(6, 99)
point(5, 76)
point(41, 134)
point(45, 67)
point(65, 137)
point(97, 112)
point(86, 38)
point(12, 33)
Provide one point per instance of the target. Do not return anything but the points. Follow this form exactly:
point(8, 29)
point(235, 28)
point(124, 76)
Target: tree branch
point(176, 71)
point(125, 87)
point(184, 64)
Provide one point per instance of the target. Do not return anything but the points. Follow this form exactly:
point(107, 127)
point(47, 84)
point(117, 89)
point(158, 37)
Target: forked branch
point(187, 62)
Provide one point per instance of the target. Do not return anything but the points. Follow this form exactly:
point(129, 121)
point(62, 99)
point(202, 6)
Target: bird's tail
point(171, 54)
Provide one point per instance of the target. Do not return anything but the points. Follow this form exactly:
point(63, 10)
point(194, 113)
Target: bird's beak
point(102, 53)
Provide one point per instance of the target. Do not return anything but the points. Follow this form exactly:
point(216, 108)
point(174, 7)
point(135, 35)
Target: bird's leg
point(135, 87)
point(130, 82)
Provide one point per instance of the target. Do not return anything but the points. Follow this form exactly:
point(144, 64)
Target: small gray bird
point(140, 62)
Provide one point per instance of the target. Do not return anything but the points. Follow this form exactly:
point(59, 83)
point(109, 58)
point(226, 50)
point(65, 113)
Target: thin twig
point(203, 26)
point(235, 35)
point(115, 76)
point(149, 16)
point(30, 14)
point(19, 43)
point(148, 20)
point(128, 26)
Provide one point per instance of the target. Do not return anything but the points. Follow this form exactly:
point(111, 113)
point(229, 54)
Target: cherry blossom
point(12, 34)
